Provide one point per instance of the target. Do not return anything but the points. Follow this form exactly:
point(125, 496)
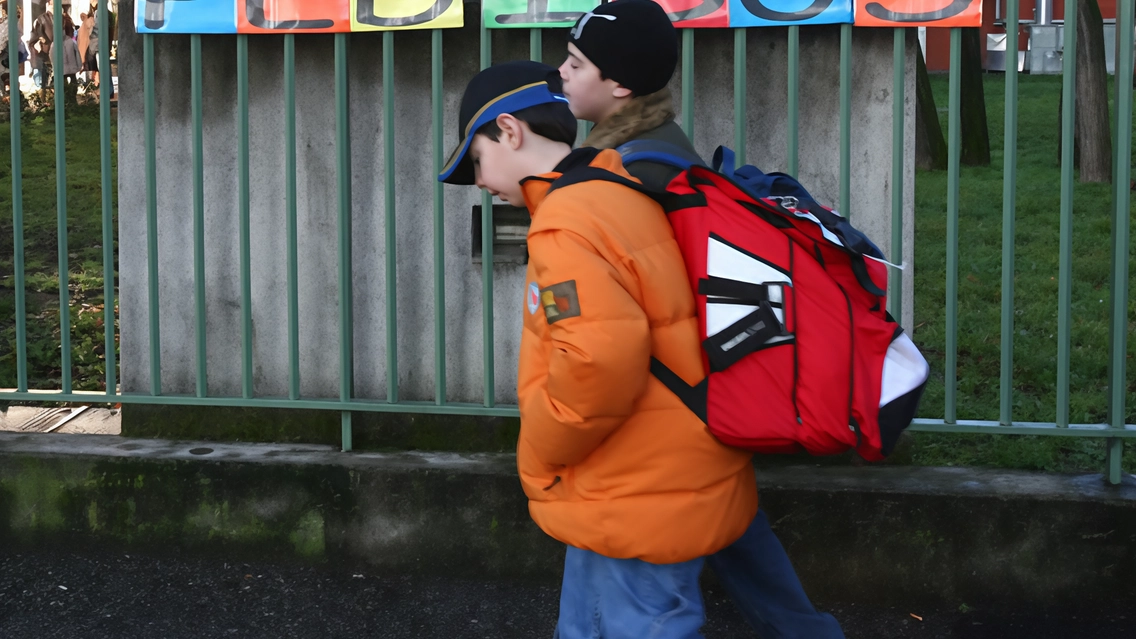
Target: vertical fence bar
point(59, 100)
point(740, 93)
point(536, 45)
point(109, 343)
point(243, 214)
point(845, 120)
point(389, 208)
point(1065, 244)
point(688, 82)
point(794, 93)
point(151, 213)
point(18, 211)
point(1009, 207)
point(437, 101)
point(1118, 386)
point(899, 77)
point(343, 182)
point(954, 145)
point(487, 256)
point(290, 198)
point(198, 211)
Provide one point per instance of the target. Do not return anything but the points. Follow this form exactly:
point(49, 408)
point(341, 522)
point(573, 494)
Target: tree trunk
point(930, 146)
point(975, 133)
point(1093, 138)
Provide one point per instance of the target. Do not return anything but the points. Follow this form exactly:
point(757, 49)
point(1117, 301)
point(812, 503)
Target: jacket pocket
point(541, 481)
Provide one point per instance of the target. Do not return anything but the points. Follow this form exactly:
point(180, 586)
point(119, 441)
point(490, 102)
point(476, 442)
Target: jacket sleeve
point(599, 361)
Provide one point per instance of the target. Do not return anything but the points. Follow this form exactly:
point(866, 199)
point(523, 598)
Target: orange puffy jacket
point(611, 460)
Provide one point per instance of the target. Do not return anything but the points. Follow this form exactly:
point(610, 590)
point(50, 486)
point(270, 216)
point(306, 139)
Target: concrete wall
point(819, 153)
point(876, 535)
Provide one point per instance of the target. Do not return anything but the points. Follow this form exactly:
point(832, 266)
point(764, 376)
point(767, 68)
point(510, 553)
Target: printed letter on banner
point(698, 13)
point(394, 15)
point(919, 13)
point(182, 16)
point(311, 16)
point(766, 13)
point(528, 14)
point(504, 14)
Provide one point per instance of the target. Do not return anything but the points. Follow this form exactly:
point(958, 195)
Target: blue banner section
point(768, 13)
point(185, 16)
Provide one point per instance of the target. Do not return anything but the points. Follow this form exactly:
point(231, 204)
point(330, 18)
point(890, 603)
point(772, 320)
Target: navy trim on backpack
point(659, 152)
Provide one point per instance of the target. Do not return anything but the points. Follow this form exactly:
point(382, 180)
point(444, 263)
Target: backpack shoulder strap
point(659, 152)
point(669, 201)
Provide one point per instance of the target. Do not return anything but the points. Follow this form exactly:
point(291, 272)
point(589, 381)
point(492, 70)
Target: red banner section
point(919, 13)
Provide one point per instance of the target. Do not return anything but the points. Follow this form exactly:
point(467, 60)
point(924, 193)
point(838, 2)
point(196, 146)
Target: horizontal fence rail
point(1115, 429)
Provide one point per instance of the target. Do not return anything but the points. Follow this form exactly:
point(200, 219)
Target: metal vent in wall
point(510, 229)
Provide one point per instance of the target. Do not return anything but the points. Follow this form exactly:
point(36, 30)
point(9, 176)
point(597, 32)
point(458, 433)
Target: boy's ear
point(512, 131)
point(620, 91)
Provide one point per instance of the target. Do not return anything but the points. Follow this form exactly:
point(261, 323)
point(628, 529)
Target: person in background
point(22, 51)
point(91, 50)
point(86, 21)
point(43, 33)
point(621, 56)
point(72, 63)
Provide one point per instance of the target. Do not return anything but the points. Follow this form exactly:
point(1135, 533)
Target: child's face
point(498, 167)
point(590, 97)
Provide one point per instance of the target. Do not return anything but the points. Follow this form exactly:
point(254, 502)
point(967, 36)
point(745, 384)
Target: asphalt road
point(92, 595)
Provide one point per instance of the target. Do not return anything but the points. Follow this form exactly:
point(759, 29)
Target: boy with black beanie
point(620, 58)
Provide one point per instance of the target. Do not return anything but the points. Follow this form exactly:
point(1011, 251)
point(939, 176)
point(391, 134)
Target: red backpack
point(801, 353)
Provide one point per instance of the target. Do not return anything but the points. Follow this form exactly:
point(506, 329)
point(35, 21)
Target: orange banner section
point(296, 16)
point(919, 13)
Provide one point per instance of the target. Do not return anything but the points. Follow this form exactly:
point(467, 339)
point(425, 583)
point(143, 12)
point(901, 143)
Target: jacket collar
point(535, 188)
point(641, 114)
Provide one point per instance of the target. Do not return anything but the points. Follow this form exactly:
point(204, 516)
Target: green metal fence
point(1115, 430)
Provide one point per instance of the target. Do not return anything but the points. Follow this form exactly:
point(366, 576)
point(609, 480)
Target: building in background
point(1040, 37)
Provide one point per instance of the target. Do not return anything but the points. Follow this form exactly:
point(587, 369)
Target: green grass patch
point(41, 250)
point(1036, 279)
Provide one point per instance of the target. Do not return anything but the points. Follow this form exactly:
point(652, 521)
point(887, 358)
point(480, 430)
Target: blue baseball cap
point(502, 88)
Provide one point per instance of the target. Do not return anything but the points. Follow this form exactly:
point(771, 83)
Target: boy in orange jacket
point(614, 465)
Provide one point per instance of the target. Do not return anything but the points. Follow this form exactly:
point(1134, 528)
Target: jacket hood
point(642, 114)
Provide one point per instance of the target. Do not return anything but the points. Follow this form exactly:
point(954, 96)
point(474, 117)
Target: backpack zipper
point(784, 313)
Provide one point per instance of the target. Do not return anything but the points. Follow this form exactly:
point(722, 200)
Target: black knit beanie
point(631, 41)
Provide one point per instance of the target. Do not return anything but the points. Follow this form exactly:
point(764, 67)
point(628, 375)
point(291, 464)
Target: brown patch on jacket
point(643, 113)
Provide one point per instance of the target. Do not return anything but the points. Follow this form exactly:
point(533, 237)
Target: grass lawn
point(84, 248)
point(1035, 339)
point(1035, 292)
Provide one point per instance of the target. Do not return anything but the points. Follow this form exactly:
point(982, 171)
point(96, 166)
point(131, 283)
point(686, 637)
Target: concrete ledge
point(880, 535)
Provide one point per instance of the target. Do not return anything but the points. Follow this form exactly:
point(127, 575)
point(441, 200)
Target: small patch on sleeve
point(560, 301)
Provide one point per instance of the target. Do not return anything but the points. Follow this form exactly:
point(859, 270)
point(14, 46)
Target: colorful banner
point(395, 15)
point(919, 13)
point(527, 14)
point(766, 13)
point(310, 16)
point(337, 16)
point(186, 16)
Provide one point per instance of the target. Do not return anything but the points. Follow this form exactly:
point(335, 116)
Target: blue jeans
point(604, 598)
point(758, 576)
